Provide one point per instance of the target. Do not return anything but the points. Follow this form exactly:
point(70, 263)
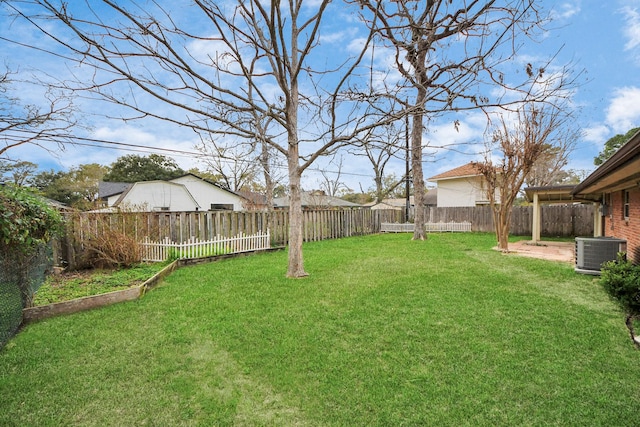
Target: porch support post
point(535, 226)
point(597, 220)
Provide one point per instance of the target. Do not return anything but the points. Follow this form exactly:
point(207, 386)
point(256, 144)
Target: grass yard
point(385, 332)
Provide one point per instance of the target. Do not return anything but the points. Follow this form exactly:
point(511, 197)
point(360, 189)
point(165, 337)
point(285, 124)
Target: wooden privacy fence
point(158, 251)
point(179, 227)
point(556, 220)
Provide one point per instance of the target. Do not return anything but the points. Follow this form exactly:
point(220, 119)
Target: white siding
point(460, 192)
point(207, 194)
point(111, 200)
point(158, 195)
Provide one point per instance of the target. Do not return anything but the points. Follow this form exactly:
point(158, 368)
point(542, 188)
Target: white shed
point(209, 195)
point(157, 196)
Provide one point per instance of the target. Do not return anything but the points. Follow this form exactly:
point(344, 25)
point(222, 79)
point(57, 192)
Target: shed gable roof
point(211, 183)
point(138, 185)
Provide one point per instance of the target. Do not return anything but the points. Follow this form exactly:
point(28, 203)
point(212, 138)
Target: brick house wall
point(616, 224)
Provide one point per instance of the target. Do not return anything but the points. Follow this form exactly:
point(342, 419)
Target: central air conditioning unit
point(592, 252)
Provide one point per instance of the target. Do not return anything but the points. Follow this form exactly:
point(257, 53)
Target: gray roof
point(108, 189)
point(314, 199)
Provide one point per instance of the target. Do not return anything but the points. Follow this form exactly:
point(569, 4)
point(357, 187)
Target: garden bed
point(61, 294)
point(71, 285)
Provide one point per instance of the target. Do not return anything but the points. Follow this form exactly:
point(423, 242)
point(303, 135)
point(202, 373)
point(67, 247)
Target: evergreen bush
point(621, 279)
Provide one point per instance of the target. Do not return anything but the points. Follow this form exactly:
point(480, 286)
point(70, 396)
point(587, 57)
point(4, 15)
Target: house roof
point(470, 169)
point(430, 198)
point(392, 203)
point(616, 173)
point(107, 189)
point(220, 187)
point(253, 197)
point(316, 199)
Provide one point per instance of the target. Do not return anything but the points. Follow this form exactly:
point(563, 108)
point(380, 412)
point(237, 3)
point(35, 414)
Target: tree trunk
point(296, 263)
point(268, 183)
point(379, 190)
point(502, 219)
point(416, 165)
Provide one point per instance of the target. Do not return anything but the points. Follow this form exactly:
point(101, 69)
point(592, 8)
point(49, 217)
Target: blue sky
point(603, 38)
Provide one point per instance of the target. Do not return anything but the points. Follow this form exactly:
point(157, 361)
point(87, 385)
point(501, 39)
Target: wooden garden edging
point(33, 314)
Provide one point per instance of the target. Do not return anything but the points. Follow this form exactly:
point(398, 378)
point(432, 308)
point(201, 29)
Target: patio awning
point(547, 195)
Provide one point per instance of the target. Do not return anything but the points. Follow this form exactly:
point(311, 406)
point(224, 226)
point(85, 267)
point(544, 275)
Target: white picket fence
point(407, 227)
point(448, 226)
point(158, 251)
point(394, 227)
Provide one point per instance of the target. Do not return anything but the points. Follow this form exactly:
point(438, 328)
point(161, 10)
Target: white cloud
point(596, 134)
point(339, 36)
point(567, 10)
point(623, 112)
point(631, 28)
point(463, 142)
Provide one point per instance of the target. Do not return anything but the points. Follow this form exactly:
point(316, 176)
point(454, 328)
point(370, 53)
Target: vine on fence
point(26, 221)
point(27, 224)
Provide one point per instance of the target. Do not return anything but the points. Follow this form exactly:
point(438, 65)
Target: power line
point(150, 149)
point(61, 139)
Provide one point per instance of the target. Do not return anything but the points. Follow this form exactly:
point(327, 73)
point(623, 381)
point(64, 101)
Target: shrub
point(26, 221)
point(108, 240)
point(621, 279)
point(27, 224)
point(111, 248)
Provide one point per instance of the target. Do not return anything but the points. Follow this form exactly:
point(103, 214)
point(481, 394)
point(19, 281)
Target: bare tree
point(332, 183)
point(446, 50)
point(235, 165)
point(379, 145)
point(217, 64)
point(22, 124)
point(549, 167)
point(518, 142)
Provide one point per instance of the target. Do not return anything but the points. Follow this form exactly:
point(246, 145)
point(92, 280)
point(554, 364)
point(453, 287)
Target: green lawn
point(385, 331)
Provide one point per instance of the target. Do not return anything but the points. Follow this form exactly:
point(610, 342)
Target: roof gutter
point(627, 152)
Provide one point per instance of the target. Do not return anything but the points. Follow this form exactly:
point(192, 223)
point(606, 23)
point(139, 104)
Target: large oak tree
point(450, 53)
point(220, 66)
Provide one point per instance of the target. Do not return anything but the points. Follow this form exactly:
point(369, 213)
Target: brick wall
point(616, 225)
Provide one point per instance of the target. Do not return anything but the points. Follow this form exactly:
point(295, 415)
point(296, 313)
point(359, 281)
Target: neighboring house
point(430, 199)
point(61, 207)
point(615, 186)
point(254, 201)
point(211, 196)
point(462, 186)
point(153, 196)
point(185, 193)
point(315, 199)
point(110, 192)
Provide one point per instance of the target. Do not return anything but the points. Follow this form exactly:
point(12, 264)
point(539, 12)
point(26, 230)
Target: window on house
point(626, 204)
point(221, 207)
